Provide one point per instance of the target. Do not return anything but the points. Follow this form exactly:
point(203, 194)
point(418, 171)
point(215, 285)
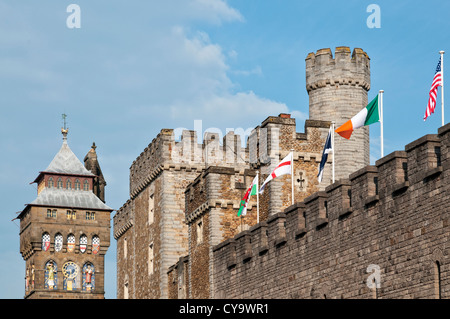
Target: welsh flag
point(282, 169)
point(368, 115)
point(250, 191)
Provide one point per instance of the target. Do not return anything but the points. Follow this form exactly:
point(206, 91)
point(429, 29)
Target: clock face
point(70, 270)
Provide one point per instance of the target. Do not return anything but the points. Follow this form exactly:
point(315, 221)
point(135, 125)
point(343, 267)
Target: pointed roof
point(65, 162)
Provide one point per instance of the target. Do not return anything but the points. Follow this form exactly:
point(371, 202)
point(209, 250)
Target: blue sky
point(135, 67)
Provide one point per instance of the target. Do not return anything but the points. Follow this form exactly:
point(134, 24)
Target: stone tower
point(337, 89)
point(65, 232)
point(91, 163)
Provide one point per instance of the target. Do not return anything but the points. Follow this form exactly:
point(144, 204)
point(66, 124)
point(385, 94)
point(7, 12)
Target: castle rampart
point(388, 216)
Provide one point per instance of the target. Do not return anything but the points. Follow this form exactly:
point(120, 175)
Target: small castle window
point(59, 183)
point(51, 213)
point(151, 208)
point(125, 248)
point(437, 151)
point(437, 280)
point(86, 185)
point(150, 259)
point(125, 291)
point(71, 214)
point(90, 215)
point(375, 180)
point(50, 182)
point(69, 184)
point(199, 232)
point(77, 185)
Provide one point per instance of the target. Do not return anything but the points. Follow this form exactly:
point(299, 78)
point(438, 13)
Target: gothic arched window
point(70, 243)
point(95, 244)
point(69, 184)
point(77, 185)
point(50, 182)
point(45, 241)
point(58, 242)
point(59, 183)
point(83, 243)
point(85, 185)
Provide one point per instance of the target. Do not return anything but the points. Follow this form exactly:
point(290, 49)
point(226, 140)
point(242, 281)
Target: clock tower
point(65, 232)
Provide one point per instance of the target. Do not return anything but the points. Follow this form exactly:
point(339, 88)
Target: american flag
point(437, 81)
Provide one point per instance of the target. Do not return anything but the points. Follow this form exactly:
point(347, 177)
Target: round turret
point(337, 89)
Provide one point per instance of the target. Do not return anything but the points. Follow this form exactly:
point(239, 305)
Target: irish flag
point(250, 191)
point(282, 169)
point(368, 115)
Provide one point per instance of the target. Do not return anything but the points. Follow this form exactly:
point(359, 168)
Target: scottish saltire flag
point(328, 148)
point(282, 169)
point(437, 81)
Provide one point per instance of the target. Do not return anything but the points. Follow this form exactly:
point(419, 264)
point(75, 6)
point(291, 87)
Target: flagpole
point(332, 147)
point(292, 175)
point(442, 81)
point(380, 101)
point(257, 197)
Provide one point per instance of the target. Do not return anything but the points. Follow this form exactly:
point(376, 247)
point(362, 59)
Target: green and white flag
point(252, 190)
point(368, 115)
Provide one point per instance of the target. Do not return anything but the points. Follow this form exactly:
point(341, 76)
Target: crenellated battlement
point(405, 195)
point(165, 153)
point(276, 135)
point(345, 68)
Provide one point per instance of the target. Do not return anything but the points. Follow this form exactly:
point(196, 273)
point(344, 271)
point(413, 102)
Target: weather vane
point(64, 116)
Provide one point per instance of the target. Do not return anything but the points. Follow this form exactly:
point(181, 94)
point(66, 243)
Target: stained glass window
point(95, 244)
point(58, 242)
point(83, 243)
point(70, 243)
point(45, 241)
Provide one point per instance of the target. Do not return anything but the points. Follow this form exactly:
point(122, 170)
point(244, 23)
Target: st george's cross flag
point(250, 191)
point(328, 148)
point(282, 169)
point(437, 81)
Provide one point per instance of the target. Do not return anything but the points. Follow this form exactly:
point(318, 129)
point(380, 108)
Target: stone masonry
point(393, 217)
point(185, 195)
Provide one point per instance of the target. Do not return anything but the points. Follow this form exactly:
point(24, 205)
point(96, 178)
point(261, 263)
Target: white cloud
point(215, 11)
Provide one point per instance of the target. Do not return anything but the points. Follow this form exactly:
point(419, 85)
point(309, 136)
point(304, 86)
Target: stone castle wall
point(394, 215)
point(188, 190)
